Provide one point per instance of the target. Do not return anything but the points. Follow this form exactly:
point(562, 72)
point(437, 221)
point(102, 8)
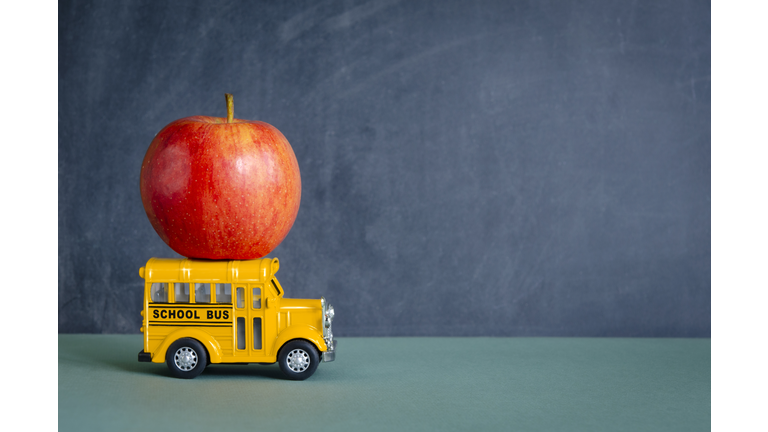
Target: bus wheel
point(186, 358)
point(298, 359)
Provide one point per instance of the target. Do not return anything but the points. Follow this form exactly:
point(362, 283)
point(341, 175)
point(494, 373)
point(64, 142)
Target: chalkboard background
point(502, 168)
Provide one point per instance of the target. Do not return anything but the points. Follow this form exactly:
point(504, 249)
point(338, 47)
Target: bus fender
point(214, 350)
point(301, 332)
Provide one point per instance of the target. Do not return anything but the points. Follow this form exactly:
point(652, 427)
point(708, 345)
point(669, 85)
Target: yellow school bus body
point(228, 327)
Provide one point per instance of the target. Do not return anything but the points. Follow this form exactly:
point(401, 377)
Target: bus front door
point(249, 321)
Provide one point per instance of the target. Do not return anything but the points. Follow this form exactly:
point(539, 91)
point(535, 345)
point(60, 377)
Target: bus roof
point(196, 270)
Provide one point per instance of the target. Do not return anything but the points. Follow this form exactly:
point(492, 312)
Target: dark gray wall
point(468, 168)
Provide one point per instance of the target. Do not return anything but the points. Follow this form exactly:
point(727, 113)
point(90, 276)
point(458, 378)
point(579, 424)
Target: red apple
point(220, 188)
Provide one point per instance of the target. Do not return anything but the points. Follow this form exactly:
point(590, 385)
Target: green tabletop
point(388, 384)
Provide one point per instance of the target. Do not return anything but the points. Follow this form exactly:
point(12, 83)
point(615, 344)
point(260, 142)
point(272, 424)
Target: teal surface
point(386, 384)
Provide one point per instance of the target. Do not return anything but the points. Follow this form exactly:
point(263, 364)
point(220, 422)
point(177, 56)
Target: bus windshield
point(276, 284)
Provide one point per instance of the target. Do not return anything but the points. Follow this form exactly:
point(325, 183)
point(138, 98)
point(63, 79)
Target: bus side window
point(223, 293)
point(159, 292)
point(240, 297)
point(202, 293)
point(182, 292)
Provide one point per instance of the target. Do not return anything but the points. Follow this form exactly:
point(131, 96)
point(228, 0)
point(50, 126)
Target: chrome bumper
point(330, 355)
point(330, 342)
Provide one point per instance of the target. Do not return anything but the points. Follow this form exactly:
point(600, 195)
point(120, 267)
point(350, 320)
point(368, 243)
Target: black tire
point(186, 358)
point(298, 359)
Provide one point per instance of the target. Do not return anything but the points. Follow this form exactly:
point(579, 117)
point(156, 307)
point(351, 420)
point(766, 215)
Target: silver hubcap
point(185, 359)
point(298, 360)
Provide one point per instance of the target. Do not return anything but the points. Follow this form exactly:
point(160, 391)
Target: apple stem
point(230, 107)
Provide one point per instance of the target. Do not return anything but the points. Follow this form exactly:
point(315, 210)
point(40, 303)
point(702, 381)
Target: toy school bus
point(198, 312)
